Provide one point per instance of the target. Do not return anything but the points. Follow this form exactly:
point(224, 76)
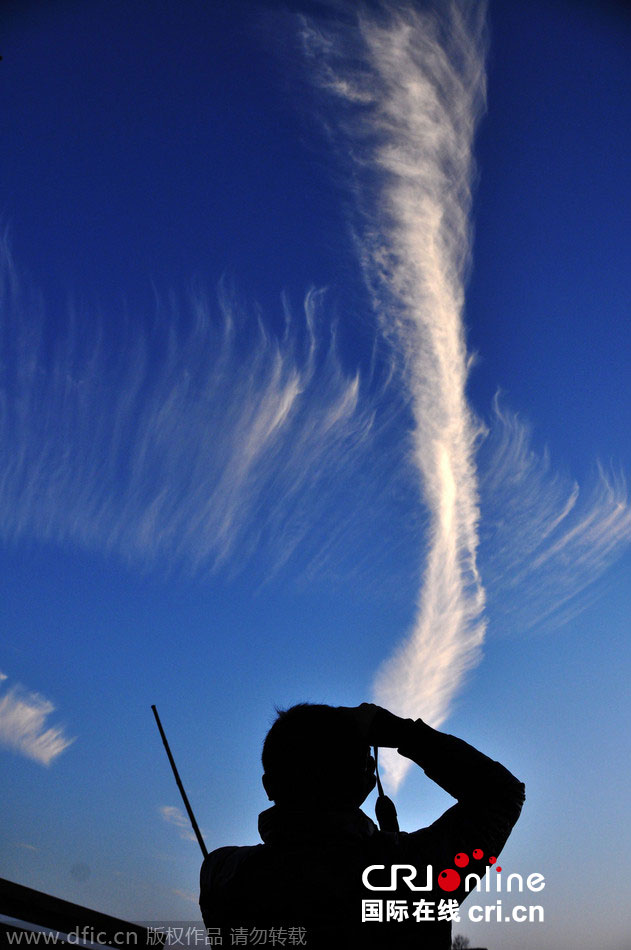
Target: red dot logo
point(449, 880)
point(492, 860)
point(461, 860)
point(478, 854)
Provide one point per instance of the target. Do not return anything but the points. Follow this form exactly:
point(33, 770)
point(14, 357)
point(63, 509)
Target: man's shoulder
point(222, 862)
point(219, 853)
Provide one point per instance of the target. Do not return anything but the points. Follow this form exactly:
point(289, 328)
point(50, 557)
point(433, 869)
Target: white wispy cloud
point(23, 725)
point(546, 540)
point(188, 896)
point(175, 816)
point(410, 82)
point(194, 439)
point(412, 85)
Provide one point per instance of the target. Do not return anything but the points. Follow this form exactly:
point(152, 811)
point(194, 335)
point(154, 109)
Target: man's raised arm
point(489, 797)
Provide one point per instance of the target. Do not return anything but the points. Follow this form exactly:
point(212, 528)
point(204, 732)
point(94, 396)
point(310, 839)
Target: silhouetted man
point(304, 883)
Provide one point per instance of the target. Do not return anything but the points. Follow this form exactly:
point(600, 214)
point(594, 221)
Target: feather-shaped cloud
point(24, 725)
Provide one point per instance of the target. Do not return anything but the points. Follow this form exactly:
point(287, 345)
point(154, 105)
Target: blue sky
point(226, 482)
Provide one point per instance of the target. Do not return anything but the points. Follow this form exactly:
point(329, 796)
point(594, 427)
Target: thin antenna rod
point(198, 833)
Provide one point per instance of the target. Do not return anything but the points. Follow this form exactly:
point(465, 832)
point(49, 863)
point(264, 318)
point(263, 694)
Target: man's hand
point(378, 726)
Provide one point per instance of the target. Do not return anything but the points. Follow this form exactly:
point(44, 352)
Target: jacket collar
point(282, 825)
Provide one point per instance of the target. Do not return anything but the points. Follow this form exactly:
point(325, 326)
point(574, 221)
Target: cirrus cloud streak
point(411, 84)
point(24, 728)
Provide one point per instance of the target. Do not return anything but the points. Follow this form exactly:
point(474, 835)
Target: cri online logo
point(448, 880)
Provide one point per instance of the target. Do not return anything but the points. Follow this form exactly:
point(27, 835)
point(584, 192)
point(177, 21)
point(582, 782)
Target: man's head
point(316, 755)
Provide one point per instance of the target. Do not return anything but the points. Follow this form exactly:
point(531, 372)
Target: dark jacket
point(307, 874)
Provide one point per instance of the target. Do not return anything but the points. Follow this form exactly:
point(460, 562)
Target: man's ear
point(267, 785)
